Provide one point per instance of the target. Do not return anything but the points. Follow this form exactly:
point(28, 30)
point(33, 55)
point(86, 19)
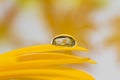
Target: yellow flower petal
point(42, 60)
point(42, 48)
point(77, 75)
point(52, 56)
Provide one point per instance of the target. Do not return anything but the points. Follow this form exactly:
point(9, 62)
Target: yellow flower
point(42, 62)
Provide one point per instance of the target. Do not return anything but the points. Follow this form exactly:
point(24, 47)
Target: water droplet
point(67, 41)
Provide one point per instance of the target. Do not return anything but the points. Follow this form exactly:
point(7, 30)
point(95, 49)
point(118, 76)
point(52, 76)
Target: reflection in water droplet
point(64, 41)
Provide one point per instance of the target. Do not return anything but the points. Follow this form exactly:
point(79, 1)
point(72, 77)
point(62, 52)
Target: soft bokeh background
point(94, 23)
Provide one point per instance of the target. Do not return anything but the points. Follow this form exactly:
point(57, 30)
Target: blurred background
point(94, 23)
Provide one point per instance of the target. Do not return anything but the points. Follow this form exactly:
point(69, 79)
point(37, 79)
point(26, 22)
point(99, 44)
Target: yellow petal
point(92, 61)
point(44, 62)
point(19, 63)
point(42, 48)
point(50, 56)
point(77, 75)
point(44, 59)
point(39, 78)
